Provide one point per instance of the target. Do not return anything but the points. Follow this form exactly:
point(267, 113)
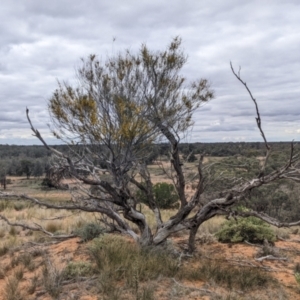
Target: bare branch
point(258, 119)
point(37, 228)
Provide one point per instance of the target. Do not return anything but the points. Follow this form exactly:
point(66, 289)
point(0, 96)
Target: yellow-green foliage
point(127, 98)
point(249, 229)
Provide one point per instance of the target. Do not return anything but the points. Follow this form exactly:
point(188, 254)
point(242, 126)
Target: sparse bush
point(77, 269)
point(108, 288)
point(249, 229)
point(230, 276)
point(3, 249)
point(165, 196)
point(27, 261)
point(53, 226)
point(89, 231)
point(4, 204)
point(18, 206)
point(19, 273)
point(2, 273)
point(52, 280)
point(48, 183)
point(34, 282)
point(122, 259)
point(11, 289)
point(13, 230)
point(297, 272)
point(2, 233)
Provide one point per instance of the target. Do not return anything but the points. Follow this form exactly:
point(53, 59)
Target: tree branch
point(258, 120)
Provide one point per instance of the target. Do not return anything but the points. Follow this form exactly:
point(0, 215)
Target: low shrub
point(77, 269)
point(53, 226)
point(52, 279)
point(249, 229)
point(165, 196)
point(4, 249)
point(297, 272)
point(124, 259)
point(12, 289)
point(89, 231)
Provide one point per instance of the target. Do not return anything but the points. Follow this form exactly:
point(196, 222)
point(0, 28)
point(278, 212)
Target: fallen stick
point(270, 257)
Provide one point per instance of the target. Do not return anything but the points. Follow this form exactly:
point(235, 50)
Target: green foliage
point(38, 169)
point(249, 229)
point(77, 269)
point(165, 196)
point(297, 272)
point(89, 231)
point(26, 166)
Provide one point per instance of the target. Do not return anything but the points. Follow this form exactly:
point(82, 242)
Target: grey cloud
point(41, 42)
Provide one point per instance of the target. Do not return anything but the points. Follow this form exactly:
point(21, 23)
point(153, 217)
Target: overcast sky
point(42, 42)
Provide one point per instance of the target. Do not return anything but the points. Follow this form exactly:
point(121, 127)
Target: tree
point(26, 166)
point(116, 112)
point(3, 173)
point(38, 169)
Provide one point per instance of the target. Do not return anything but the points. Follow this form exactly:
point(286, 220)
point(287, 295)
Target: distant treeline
point(33, 160)
point(210, 149)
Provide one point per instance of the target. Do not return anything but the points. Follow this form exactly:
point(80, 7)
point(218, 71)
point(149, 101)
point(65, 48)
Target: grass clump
point(120, 260)
point(228, 276)
point(4, 249)
point(19, 273)
point(13, 231)
point(12, 290)
point(297, 272)
point(27, 260)
point(77, 269)
point(125, 258)
point(18, 206)
point(89, 231)
point(53, 227)
point(52, 280)
point(33, 285)
point(249, 229)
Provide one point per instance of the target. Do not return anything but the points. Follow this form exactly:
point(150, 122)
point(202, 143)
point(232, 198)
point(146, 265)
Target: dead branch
point(193, 288)
point(258, 119)
point(37, 228)
point(268, 219)
point(270, 257)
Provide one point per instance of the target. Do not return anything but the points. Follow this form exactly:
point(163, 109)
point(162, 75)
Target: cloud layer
point(41, 42)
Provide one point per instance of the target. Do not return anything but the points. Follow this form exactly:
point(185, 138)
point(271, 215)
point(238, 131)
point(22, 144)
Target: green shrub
point(89, 231)
point(77, 269)
point(249, 229)
point(165, 196)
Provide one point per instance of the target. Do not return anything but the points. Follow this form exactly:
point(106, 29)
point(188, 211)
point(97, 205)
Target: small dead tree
point(119, 108)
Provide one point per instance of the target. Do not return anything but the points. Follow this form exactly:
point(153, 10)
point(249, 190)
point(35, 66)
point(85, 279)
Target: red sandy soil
point(72, 250)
